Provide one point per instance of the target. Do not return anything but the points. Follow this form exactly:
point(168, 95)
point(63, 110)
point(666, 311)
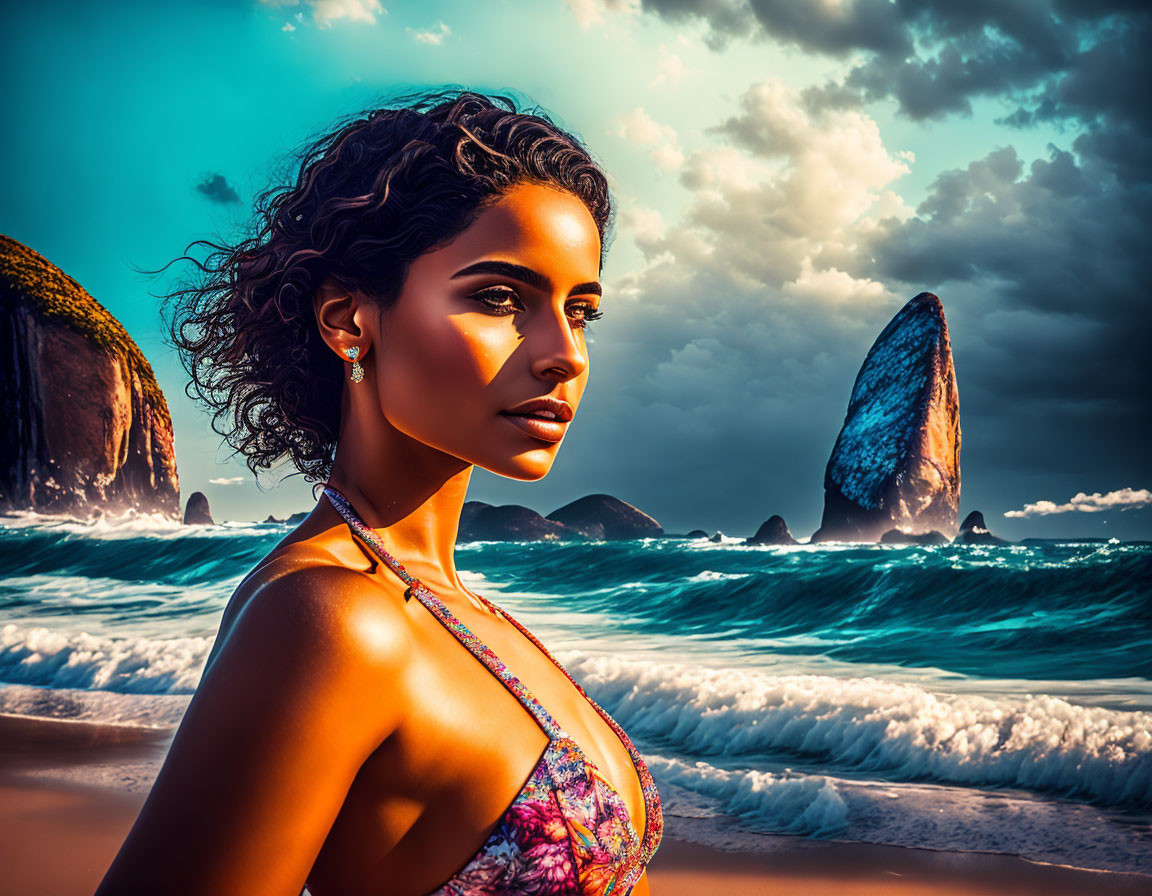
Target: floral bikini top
point(568, 831)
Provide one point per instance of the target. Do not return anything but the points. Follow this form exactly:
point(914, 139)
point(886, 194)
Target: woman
point(414, 305)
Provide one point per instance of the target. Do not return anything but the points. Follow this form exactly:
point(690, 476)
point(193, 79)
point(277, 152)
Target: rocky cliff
point(86, 423)
point(896, 462)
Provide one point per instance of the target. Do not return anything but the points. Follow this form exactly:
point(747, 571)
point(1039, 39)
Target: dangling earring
point(357, 371)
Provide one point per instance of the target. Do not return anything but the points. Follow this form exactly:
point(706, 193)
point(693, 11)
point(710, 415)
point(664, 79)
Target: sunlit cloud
point(434, 36)
point(592, 12)
point(1122, 499)
point(646, 224)
point(227, 480)
point(325, 12)
point(670, 69)
point(786, 197)
point(639, 127)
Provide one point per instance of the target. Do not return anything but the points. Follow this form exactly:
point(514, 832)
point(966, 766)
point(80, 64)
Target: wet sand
point(70, 792)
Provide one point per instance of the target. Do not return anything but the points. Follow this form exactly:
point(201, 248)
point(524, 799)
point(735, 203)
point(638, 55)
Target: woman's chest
point(427, 801)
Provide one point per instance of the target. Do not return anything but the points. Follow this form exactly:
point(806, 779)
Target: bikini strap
point(344, 508)
point(439, 609)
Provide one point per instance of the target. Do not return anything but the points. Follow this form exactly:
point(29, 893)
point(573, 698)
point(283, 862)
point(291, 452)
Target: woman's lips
point(537, 427)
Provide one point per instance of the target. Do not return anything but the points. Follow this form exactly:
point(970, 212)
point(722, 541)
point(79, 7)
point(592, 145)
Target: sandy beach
point(63, 815)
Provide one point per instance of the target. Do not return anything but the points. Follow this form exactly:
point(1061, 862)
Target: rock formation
point(196, 511)
point(772, 531)
point(973, 531)
point(508, 522)
point(896, 462)
point(86, 423)
point(602, 516)
point(896, 536)
point(697, 533)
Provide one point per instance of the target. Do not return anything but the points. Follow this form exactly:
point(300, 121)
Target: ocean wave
point(128, 525)
point(213, 556)
point(1036, 742)
point(711, 575)
point(161, 711)
point(1013, 611)
point(780, 803)
point(34, 655)
point(734, 807)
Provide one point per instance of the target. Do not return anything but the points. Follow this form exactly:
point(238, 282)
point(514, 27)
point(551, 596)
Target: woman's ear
point(340, 315)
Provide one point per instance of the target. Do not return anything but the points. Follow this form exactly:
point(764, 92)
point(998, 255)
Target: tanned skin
point(341, 736)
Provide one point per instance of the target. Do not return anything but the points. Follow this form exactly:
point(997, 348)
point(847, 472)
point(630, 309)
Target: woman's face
point(488, 323)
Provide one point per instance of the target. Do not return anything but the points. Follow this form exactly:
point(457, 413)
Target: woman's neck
point(409, 493)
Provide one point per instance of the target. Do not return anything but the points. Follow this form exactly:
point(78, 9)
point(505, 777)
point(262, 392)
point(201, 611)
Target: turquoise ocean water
point(985, 698)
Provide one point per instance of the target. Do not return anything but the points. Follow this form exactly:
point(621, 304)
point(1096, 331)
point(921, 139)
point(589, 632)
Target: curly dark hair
point(371, 195)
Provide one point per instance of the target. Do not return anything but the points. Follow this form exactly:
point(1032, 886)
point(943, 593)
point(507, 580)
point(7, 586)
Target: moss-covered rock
point(87, 424)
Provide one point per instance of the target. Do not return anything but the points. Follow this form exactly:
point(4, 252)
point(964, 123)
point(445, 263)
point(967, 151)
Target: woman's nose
point(557, 348)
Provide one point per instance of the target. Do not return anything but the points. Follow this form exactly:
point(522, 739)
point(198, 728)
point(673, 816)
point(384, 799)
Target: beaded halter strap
point(440, 610)
point(344, 507)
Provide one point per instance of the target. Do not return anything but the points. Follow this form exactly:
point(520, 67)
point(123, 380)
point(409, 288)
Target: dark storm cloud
point(1064, 235)
point(1047, 271)
point(1057, 57)
point(869, 24)
point(217, 189)
point(740, 342)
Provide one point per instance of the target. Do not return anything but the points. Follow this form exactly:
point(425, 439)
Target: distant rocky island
point(598, 517)
point(89, 431)
point(87, 425)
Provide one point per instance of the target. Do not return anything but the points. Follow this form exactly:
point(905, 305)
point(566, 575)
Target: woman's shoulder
point(304, 594)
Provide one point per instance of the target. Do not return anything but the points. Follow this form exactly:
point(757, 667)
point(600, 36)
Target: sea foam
point(1033, 741)
point(35, 655)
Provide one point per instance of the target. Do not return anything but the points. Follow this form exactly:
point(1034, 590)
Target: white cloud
point(325, 12)
point(668, 157)
point(434, 36)
point(832, 285)
point(671, 69)
point(1121, 499)
point(789, 201)
point(647, 224)
point(288, 26)
point(591, 12)
point(228, 480)
point(639, 127)
point(586, 12)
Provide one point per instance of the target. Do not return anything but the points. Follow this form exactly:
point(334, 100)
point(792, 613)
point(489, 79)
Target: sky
point(787, 176)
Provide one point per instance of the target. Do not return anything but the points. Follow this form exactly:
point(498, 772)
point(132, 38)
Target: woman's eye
point(584, 314)
point(502, 301)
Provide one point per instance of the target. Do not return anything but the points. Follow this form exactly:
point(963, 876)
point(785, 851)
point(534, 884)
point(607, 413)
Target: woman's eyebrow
point(525, 275)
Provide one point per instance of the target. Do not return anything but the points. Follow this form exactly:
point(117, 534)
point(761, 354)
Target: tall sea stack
point(896, 462)
point(86, 423)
